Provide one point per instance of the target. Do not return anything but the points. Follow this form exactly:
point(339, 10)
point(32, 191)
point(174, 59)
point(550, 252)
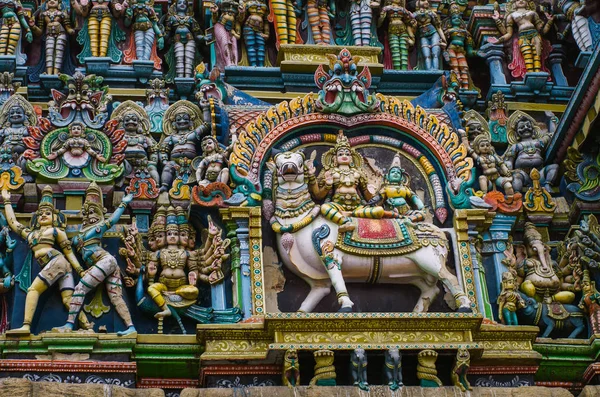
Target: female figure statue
point(12, 25)
point(460, 46)
point(361, 18)
point(530, 29)
point(100, 15)
point(227, 32)
point(141, 16)
point(431, 36)
point(44, 233)
point(102, 266)
point(184, 30)
point(284, 15)
point(256, 31)
point(55, 22)
point(400, 34)
point(318, 12)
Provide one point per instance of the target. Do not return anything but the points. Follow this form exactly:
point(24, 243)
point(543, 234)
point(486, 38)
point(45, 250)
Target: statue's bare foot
point(163, 313)
point(23, 331)
point(129, 331)
point(68, 327)
point(346, 227)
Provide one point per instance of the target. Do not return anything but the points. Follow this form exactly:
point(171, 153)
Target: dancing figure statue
point(361, 19)
point(140, 15)
point(227, 31)
point(460, 46)
point(102, 266)
point(284, 15)
point(256, 31)
point(12, 26)
point(55, 22)
point(183, 30)
point(99, 33)
point(399, 32)
point(530, 28)
point(46, 231)
point(431, 37)
point(319, 13)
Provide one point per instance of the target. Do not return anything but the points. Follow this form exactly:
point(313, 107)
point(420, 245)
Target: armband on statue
point(64, 245)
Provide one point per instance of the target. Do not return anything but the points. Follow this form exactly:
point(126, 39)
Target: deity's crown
point(341, 142)
point(46, 200)
point(172, 219)
point(160, 219)
point(229, 6)
point(506, 276)
point(396, 162)
point(182, 219)
point(93, 195)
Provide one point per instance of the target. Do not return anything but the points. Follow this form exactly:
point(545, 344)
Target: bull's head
point(289, 168)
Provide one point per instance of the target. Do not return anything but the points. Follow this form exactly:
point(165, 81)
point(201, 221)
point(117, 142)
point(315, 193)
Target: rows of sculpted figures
point(419, 35)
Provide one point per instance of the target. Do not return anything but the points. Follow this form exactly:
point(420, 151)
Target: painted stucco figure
point(460, 46)
point(228, 31)
point(142, 18)
point(183, 30)
point(430, 36)
point(399, 31)
point(284, 15)
point(12, 26)
point(361, 20)
point(319, 13)
point(256, 31)
point(100, 33)
point(55, 23)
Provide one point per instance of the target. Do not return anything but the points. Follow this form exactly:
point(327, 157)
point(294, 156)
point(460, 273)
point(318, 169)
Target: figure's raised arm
point(10, 216)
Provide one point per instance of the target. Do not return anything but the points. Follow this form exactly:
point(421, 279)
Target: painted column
point(243, 234)
point(495, 58)
point(495, 242)
point(483, 298)
point(235, 263)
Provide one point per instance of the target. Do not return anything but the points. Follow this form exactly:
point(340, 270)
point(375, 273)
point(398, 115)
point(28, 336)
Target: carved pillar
point(494, 244)
point(495, 58)
point(556, 58)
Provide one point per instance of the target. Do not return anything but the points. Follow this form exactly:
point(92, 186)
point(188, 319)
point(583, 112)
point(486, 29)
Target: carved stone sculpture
point(399, 30)
point(426, 370)
point(142, 18)
point(291, 368)
point(14, 24)
point(358, 368)
point(392, 369)
point(318, 13)
point(183, 30)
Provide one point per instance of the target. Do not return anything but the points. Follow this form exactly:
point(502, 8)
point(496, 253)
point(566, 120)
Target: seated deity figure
point(173, 261)
point(16, 114)
point(214, 164)
point(495, 171)
point(397, 197)
point(76, 146)
point(343, 185)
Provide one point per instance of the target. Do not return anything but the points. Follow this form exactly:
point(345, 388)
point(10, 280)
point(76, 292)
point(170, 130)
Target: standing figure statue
point(16, 115)
point(399, 32)
point(319, 12)
point(227, 31)
point(140, 15)
point(430, 34)
point(509, 300)
point(100, 15)
point(460, 46)
point(102, 266)
point(12, 25)
point(530, 28)
point(183, 128)
point(46, 231)
point(214, 164)
point(256, 31)
point(580, 25)
point(183, 30)
point(361, 19)
point(343, 185)
point(493, 168)
point(284, 15)
point(55, 22)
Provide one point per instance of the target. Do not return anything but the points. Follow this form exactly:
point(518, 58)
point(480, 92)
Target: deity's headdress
point(47, 202)
point(159, 223)
point(329, 158)
point(172, 219)
point(182, 219)
point(93, 198)
point(531, 233)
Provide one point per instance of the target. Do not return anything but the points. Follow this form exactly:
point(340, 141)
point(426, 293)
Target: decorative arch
point(275, 124)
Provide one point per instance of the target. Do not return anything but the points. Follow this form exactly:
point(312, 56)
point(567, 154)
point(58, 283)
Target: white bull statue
point(308, 245)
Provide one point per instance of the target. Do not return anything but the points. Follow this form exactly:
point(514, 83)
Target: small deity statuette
point(392, 368)
point(400, 33)
point(16, 115)
point(461, 367)
point(495, 172)
point(77, 149)
point(319, 12)
point(460, 46)
point(214, 164)
point(46, 232)
point(55, 23)
point(227, 31)
point(140, 15)
point(397, 197)
point(102, 266)
point(431, 37)
point(184, 31)
point(285, 16)
point(183, 128)
point(530, 29)
point(100, 33)
point(509, 300)
point(343, 184)
point(256, 31)
point(361, 19)
point(526, 151)
point(12, 25)
point(358, 368)
point(291, 368)
point(173, 260)
point(590, 302)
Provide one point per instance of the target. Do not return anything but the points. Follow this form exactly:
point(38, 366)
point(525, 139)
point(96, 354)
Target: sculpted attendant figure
point(361, 19)
point(495, 171)
point(530, 29)
point(77, 146)
point(256, 31)
point(509, 300)
point(460, 46)
point(102, 266)
point(284, 14)
point(400, 34)
point(431, 36)
point(99, 14)
point(16, 114)
point(227, 32)
point(12, 25)
point(214, 164)
point(343, 184)
point(319, 12)
point(45, 232)
point(184, 30)
point(140, 15)
point(56, 24)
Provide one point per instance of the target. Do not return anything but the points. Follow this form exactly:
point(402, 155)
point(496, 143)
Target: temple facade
point(375, 196)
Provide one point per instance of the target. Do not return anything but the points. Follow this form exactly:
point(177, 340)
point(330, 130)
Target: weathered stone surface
point(25, 388)
point(590, 391)
point(377, 391)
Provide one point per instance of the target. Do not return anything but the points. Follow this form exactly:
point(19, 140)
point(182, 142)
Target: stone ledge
point(25, 388)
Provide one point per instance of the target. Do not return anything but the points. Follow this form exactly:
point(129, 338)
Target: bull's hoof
point(345, 310)
point(465, 310)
